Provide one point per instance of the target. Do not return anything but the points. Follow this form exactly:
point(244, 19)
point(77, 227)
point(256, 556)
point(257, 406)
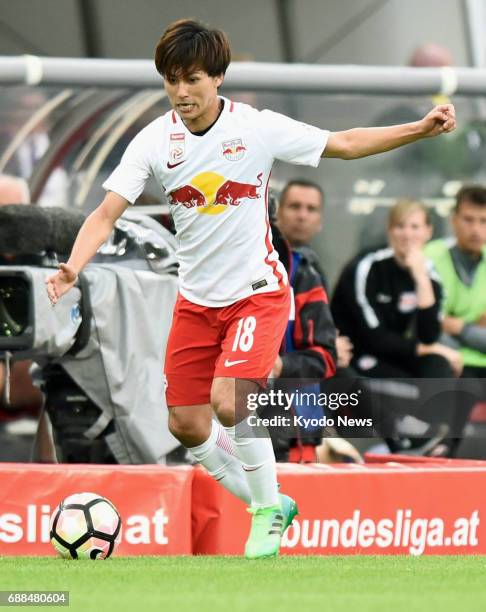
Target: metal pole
point(284, 19)
point(255, 76)
point(89, 20)
point(475, 15)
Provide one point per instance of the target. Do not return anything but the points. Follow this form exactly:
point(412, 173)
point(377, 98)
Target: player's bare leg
point(272, 512)
point(209, 444)
point(191, 425)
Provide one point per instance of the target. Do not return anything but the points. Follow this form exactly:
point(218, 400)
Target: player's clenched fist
point(59, 283)
point(440, 120)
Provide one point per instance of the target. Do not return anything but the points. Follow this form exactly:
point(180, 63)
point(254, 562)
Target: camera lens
point(14, 306)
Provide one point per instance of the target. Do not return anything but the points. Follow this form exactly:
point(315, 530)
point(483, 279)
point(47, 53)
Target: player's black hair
point(475, 194)
point(189, 45)
point(300, 182)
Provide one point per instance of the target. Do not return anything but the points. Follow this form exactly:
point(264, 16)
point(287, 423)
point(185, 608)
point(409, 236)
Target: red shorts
point(241, 340)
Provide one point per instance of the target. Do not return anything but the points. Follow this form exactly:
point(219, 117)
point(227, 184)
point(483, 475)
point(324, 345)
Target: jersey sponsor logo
point(177, 150)
point(211, 194)
point(228, 363)
point(233, 150)
point(259, 284)
point(407, 302)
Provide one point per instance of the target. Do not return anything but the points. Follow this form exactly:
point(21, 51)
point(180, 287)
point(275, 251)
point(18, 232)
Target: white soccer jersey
point(217, 186)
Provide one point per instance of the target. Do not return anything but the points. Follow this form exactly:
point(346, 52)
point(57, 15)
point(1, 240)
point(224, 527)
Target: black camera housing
point(17, 320)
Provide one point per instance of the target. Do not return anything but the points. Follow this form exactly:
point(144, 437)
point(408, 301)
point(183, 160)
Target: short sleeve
point(292, 141)
point(129, 177)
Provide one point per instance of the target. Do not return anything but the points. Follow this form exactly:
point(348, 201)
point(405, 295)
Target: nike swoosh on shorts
point(228, 363)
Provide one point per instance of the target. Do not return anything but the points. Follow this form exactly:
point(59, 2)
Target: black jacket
point(314, 334)
point(375, 305)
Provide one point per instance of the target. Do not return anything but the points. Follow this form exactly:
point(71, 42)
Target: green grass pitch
point(233, 584)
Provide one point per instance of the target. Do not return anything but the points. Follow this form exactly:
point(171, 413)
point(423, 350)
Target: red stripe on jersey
point(268, 242)
point(174, 118)
point(232, 106)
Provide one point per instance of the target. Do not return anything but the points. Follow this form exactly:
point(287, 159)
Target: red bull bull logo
point(231, 193)
point(233, 150)
point(188, 196)
point(211, 193)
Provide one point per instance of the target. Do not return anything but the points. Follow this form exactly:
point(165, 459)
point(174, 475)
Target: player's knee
point(179, 426)
point(188, 428)
point(223, 402)
point(225, 411)
point(173, 425)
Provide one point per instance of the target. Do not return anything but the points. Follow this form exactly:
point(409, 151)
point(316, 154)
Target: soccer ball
point(85, 526)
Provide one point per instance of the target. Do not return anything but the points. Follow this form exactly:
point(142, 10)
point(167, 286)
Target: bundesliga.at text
point(402, 531)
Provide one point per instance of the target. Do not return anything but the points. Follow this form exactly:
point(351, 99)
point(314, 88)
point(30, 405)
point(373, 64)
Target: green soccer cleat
point(268, 526)
point(289, 510)
point(266, 531)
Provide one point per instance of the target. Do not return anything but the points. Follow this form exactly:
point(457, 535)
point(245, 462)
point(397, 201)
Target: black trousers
point(426, 366)
point(452, 408)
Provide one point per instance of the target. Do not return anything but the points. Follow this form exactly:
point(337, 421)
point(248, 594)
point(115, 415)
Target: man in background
point(461, 265)
point(312, 349)
point(299, 218)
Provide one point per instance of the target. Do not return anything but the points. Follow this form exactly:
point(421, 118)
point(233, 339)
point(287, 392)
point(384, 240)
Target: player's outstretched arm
point(94, 231)
point(360, 142)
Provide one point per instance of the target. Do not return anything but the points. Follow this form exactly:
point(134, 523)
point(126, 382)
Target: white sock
point(258, 461)
point(217, 456)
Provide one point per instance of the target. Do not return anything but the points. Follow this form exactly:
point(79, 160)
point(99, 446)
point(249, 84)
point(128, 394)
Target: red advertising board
point(154, 503)
point(385, 509)
point(382, 508)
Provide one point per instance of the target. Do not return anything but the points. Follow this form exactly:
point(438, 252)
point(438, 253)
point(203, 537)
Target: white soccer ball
point(85, 526)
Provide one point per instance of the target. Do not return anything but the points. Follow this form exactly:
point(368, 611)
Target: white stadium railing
point(257, 76)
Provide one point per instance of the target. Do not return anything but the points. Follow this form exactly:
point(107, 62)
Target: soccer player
point(213, 158)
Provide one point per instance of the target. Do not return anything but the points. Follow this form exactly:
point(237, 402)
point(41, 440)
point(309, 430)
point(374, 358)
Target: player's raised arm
point(94, 231)
point(360, 142)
